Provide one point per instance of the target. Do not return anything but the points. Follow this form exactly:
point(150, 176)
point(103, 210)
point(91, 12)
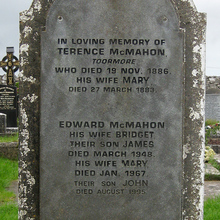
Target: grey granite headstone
point(212, 106)
point(111, 111)
point(113, 83)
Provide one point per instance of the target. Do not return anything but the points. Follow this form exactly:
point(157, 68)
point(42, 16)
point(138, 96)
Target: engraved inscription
point(111, 109)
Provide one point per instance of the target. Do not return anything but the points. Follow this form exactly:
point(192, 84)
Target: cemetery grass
point(215, 164)
point(211, 208)
point(8, 173)
point(10, 138)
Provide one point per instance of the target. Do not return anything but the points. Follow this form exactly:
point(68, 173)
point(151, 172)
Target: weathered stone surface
point(212, 85)
point(9, 150)
point(31, 23)
point(209, 169)
point(111, 103)
point(212, 107)
point(190, 116)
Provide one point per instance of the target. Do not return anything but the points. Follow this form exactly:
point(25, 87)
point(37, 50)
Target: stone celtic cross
point(10, 65)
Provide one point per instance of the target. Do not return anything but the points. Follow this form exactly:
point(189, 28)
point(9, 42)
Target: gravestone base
point(11, 130)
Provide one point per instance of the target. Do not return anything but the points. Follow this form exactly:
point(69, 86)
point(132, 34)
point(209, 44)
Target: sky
point(9, 26)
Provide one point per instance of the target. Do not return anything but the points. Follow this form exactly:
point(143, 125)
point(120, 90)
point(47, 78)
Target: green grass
point(10, 138)
point(215, 164)
point(212, 209)
point(212, 177)
point(210, 122)
point(212, 205)
point(8, 173)
point(9, 212)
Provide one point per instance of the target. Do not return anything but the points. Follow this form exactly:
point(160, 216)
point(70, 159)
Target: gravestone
point(8, 104)
point(120, 116)
point(10, 65)
point(212, 107)
point(3, 123)
point(8, 94)
point(212, 103)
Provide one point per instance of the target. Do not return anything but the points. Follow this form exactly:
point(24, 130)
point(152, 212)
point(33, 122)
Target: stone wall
point(9, 150)
point(213, 84)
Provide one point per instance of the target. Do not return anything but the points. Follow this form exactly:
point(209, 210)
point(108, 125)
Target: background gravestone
point(8, 104)
point(212, 106)
point(121, 117)
point(3, 123)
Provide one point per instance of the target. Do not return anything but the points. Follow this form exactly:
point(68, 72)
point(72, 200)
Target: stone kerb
point(9, 150)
